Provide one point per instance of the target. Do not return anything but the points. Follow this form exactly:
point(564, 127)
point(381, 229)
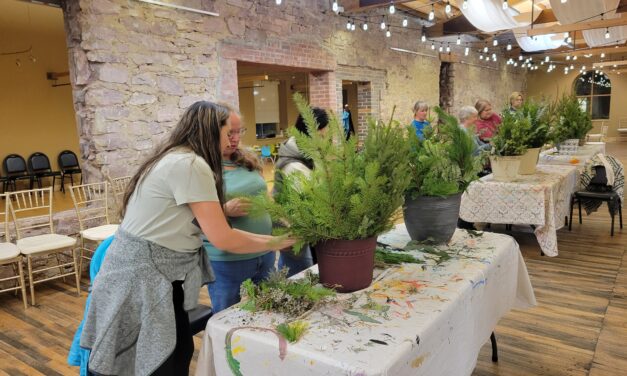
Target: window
point(594, 92)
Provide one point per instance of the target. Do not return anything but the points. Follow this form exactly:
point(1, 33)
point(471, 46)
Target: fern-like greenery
point(277, 293)
point(350, 194)
point(444, 163)
point(512, 136)
point(541, 117)
point(293, 331)
point(572, 121)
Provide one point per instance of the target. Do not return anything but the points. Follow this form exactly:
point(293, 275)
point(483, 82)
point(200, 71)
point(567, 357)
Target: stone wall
point(135, 67)
point(474, 82)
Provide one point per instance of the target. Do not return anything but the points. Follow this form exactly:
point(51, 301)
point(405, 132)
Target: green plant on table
point(350, 194)
point(512, 136)
point(572, 122)
point(445, 162)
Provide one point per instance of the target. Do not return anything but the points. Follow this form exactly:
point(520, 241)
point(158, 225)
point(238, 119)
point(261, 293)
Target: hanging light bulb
point(505, 4)
point(542, 63)
point(392, 8)
point(465, 5)
point(365, 26)
point(32, 58)
point(481, 57)
point(575, 57)
point(448, 48)
point(448, 8)
point(572, 66)
point(353, 27)
point(520, 57)
point(432, 13)
point(567, 57)
point(485, 49)
point(432, 46)
point(547, 59)
point(466, 51)
point(441, 49)
point(382, 24)
point(423, 38)
point(495, 42)
point(509, 47)
point(348, 24)
point(602, 55)
point(278, 2)
point(405, 22)
point(563, 1)
point(607, 33)
point(515, 63)
point(388, 33)
point(459, 40)
point(494, 57)
point(335, 7)
point(583, 68)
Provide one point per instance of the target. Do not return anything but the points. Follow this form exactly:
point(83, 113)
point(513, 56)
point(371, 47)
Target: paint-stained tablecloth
point(430, 319)
point(541, 199)
point(579, 159)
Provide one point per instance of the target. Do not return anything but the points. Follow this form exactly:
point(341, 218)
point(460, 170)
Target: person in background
point(420, 118)
point(488, 122)
point(347, 122)
point(242, 172)
point(468, 116)
point(291, 160)
point(515, 101)
point(137, 321)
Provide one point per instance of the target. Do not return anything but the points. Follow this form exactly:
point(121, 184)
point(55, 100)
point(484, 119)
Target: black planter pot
point(432, 217)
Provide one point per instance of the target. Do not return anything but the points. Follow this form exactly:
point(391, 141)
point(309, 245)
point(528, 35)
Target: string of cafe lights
point(485, 54)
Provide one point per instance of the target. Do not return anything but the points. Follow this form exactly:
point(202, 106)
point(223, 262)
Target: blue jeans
point(296, 263)
point(224, 291)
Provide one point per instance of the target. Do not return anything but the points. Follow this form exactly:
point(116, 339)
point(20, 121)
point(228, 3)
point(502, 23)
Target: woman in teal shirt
point(242, 177)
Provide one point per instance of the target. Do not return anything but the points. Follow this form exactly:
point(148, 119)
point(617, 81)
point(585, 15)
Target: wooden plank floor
point(578, 328)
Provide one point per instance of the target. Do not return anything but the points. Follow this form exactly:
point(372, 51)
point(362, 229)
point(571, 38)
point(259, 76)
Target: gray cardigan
point(130, 327)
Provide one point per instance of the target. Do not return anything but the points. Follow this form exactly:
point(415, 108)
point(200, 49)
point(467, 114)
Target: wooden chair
point(10, 256)
point(31, 210)
point(92, 209)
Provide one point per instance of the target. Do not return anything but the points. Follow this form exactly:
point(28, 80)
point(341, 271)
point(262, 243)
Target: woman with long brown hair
point(137, 321)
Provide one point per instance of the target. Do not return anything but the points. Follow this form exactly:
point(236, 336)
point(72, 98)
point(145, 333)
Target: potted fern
point(442, 166)
point(350, 197)
point(508, 145)
point(571, 126)
point(540, 116)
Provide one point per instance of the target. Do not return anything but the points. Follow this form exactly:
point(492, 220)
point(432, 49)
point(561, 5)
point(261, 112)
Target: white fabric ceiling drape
point(574, 11)
point(539, 42)
point(489, 15)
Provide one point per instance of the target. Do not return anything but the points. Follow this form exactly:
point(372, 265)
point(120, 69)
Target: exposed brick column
point(322, 90)
point(364, 109)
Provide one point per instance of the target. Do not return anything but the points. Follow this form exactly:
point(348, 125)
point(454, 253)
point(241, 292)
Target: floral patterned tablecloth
point(429, 319)
point(541, 199)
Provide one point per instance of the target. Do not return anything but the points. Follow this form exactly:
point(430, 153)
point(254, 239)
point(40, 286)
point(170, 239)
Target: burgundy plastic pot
point(346, 265)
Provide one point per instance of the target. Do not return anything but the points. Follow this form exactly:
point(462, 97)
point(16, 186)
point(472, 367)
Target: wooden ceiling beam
point(588, 25)
point(363, 5)
point(603, 64)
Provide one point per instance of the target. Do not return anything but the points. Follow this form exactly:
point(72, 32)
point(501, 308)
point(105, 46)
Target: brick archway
point(310, 57)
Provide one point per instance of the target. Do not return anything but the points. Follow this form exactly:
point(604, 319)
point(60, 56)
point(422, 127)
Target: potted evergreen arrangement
point(349, 199)
point(571, 126)
point(540, 116)
point(442, 166)
point(508, 144)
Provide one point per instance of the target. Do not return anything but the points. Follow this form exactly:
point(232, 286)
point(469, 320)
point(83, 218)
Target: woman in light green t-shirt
point(173, 198)
point(242, 177)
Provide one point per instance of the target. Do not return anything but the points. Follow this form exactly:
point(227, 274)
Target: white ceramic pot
point(528, 161)
point(505, 168)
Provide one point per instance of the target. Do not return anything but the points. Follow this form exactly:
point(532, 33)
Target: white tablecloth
point(541, 199)
point(583, 155)
point(439, 316)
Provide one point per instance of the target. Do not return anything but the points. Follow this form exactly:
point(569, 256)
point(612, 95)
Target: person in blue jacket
point(420, 118)
point(79, 356)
